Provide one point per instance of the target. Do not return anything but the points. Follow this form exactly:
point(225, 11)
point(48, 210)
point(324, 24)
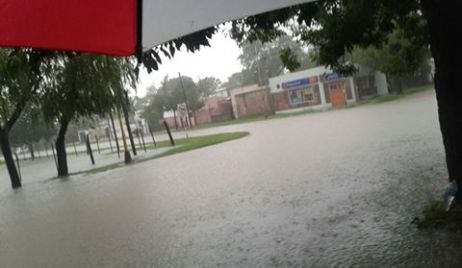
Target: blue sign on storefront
point(294, 84)
point(332, 76)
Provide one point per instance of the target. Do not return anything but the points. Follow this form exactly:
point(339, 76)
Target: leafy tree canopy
point(336, 27)
point(31, 128)
point(400, 56)
point(86, 85)
point(207, 86)
point(20, 81)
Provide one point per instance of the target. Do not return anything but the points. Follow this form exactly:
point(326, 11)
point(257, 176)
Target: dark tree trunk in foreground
point(31, 150)
point(152, 136)
point(129, 129)
point(61, 149)
point(9, 160)
point(444, 22)
point(115, 134)
point(399, 85)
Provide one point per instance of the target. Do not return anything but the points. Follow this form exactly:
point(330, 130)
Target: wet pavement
point(333, 189)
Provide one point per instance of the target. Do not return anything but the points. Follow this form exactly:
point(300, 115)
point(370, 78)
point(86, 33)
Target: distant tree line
point(174, 92)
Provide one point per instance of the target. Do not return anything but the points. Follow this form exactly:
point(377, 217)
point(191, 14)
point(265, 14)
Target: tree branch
point(15, 115)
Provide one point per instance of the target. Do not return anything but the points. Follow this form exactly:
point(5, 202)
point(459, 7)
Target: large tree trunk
point(115, 134)
point(61, 149)
point(9, 160)
point(444, 24)
point(400, 89)
point(129, 129)
point(31, 151)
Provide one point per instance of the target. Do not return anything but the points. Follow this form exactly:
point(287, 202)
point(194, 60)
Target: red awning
point(74, 25)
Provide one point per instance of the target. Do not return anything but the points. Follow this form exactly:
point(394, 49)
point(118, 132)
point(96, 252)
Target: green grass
point(413, 90)
point(386, 98)
point(234, 122)
point(181, 145)
point(436, 217)
point(394, 96)
point(184, 145)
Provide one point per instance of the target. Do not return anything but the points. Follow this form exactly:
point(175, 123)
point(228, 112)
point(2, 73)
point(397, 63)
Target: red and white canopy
point(114, 27)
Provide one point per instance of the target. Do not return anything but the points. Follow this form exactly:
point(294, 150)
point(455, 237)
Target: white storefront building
point(319, 88)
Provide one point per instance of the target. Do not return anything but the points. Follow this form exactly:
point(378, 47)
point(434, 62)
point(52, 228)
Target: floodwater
point(333, 189)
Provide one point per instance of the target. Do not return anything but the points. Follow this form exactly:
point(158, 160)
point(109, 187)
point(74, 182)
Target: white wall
point(238, 91)
point(381, 83)
point(278, 80)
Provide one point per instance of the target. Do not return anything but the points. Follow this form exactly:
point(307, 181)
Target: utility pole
point(125, 106)
point(259, 78)
point(185, 99)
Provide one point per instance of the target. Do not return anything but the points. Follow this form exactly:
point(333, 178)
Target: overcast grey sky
point(219, 60)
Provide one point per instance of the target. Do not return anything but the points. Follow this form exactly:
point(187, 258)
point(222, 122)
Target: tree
point(207, 86)
point(240, 79)
point(336, 27)
point(20, 82)
point(268, 59)
point(399, 57)
point(262, 61)
point(153, 113)
point(83, 85)
point(31, 128)
point(170, 95)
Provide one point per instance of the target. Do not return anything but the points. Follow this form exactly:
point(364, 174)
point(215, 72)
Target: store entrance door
point(337, 95)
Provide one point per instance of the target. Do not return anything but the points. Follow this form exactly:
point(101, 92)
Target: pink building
point(215, 109)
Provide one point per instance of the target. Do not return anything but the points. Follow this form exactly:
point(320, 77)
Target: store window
point(308, 95)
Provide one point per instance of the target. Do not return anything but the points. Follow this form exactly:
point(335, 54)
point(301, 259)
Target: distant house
point(221, 92)
point(215, 109)
point(250, 100)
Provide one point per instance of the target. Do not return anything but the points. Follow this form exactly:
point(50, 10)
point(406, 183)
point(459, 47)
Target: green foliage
point(207, 86)
point(289, 59)
point(261, 61)
point(243, 78)
point(85, 85)
point(151, 59)
point(19, 82)
point(171, 94)
point(31, 128)
point(435, 216)
point(336, 27)
point(153, 113)
point(400, 56)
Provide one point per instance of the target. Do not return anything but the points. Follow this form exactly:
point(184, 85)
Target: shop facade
point(319, 89)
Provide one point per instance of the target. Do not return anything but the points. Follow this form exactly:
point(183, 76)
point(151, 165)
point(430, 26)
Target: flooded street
point(333, 189)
